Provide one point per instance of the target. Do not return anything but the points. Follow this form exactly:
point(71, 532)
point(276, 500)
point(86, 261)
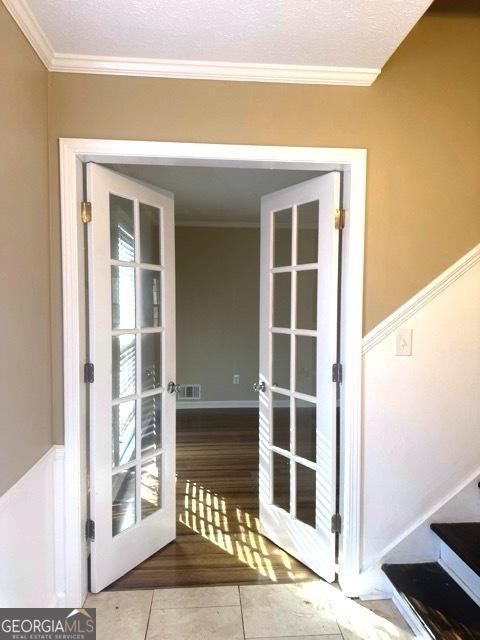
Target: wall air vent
point(190, 392)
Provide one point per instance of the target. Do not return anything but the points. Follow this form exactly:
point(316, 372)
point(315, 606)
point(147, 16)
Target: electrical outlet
point(236, 378)
point(403, 342)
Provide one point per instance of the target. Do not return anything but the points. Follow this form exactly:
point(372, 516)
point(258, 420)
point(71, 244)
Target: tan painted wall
point(25, 364)
point(419, 122)
point(217, 288)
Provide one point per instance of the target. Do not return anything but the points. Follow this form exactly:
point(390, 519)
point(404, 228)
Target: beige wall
point(217, 288)
point(419, 122)
point(25, 364)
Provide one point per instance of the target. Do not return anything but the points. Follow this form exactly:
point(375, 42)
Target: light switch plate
point(403, 342)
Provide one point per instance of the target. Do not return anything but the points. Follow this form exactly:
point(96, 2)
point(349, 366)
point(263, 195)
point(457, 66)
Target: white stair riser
point(460, 572)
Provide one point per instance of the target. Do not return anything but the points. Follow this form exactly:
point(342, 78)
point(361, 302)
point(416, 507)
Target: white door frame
point(353, 163)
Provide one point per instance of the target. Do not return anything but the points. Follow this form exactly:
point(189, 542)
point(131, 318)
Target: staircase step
point(443, 608)
point(464, 539)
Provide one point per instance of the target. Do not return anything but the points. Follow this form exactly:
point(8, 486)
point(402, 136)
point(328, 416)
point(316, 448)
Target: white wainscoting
point(32, 536)
point(421, 419)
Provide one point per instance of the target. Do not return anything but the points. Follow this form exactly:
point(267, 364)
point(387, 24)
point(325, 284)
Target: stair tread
point(444, 609)
point(464, 539)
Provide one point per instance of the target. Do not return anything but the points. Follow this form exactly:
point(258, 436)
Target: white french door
point(132, 346)
point(298, 346)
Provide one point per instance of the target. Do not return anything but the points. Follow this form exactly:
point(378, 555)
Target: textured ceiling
point(218, 195)
point(338, 33)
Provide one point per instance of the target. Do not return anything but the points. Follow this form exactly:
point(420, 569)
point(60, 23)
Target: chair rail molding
point(422, 298)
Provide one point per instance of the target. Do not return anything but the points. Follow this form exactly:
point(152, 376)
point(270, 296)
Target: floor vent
point(190, 392)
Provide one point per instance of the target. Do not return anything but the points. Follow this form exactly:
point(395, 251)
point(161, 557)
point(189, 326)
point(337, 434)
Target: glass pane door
point(137, 336)
point(294, 269)
point(132, 343)
point(298, 345)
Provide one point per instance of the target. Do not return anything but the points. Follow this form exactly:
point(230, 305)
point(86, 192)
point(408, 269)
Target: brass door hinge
point(86, 211)
point(339, 219)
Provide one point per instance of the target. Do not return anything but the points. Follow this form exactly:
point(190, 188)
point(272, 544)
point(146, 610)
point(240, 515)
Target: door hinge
point(336, 523)
point(337, 372)
point(89, 372)
point(86, 211)
point(339, 218)
point(90, 530)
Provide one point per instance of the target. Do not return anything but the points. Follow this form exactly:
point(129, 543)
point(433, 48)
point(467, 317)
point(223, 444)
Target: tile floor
point(304, 611)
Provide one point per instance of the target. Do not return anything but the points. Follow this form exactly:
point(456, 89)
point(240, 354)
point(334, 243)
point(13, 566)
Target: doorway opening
point(217, 288)
point(300, 536)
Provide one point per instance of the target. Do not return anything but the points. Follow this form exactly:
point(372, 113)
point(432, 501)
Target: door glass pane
point(306, 481)
point(282, 286)
point(305, 430)
point(281, 360)
point(123, 298)
point(151, 301)
point(306, 374)
point(281, 481)
point(281, 421)
point(151, 424)
point(282, 238)
point(151, 488)
point(123, 433)
point(307, 244)
point(150, 241)
point(122, 238)
point(123, 365)
point(151, 361)
point(123, 500)
point(307, 299)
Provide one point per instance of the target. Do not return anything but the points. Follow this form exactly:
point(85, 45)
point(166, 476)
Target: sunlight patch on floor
point(205, 512)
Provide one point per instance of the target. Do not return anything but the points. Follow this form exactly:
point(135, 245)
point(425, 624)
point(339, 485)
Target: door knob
point(172, 387)
point(259, 386)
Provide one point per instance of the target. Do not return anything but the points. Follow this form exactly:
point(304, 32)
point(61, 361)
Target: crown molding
point(204, 70)
point(188, 69)
point(23, 16)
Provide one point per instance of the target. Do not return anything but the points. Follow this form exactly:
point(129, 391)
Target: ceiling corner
point(23, 16)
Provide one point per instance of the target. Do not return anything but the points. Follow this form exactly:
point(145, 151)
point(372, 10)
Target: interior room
point(209, 427)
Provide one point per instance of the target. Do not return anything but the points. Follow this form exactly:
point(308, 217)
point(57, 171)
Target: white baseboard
point(456, 568)
point(217, 404)
point(31, 538)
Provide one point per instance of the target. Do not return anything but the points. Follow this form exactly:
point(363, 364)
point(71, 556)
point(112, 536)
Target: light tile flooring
point(304, 611)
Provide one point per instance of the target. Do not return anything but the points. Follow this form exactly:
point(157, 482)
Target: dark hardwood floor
point(217, 510)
